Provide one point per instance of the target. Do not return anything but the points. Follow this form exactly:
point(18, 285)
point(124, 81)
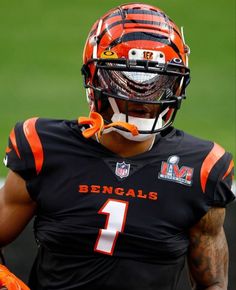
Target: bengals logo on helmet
point(148, 55)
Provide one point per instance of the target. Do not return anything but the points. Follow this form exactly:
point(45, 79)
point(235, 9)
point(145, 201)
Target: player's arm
point(16, 208)
point(208, 252)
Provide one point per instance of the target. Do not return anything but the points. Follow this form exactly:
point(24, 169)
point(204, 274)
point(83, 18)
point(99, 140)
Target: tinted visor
point(136, 85)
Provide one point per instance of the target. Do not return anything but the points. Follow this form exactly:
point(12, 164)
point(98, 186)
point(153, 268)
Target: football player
point(121, 199)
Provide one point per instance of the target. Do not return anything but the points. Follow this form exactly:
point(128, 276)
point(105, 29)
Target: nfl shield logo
point(122, 169)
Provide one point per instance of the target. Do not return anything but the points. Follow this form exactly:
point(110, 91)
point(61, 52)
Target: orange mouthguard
point(96, 123)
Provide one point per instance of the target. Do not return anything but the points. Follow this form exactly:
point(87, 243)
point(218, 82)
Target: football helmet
point(137, 54)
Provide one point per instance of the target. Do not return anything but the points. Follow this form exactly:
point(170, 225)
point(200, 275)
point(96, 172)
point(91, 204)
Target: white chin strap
point(142, 124)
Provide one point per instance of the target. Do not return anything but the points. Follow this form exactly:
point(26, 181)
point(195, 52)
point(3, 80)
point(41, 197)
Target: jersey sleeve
point(217, 176)
point(24, 154)
point(223, 193)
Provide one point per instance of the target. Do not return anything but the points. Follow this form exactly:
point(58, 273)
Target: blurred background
point(41, 45)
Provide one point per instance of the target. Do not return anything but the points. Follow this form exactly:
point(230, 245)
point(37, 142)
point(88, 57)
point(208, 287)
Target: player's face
point(139, 110)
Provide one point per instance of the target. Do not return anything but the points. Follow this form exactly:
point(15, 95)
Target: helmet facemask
point(144, 83)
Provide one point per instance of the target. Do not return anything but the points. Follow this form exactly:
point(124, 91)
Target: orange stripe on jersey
point(214, 155)
point(13, 142)
point(34, 142)
point(231, 166)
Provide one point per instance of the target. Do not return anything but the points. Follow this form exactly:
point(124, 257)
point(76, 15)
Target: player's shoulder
point(36, 128)
point(31, 138)
point(194, 142)
point(185, 144)
point(210, 151)
point(197, 145)
point(42, 125)
point(216, 165)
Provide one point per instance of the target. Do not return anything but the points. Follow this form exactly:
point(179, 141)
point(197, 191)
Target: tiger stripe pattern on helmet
point(139, 24)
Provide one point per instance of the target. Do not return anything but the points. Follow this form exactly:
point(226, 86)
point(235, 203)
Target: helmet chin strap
point(142, 124)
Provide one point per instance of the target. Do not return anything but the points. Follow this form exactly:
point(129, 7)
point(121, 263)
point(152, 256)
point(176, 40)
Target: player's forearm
point(208, 253)
point(208, 273)
point(213, 287)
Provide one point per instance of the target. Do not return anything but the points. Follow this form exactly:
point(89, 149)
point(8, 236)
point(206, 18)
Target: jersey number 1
point(116, 211)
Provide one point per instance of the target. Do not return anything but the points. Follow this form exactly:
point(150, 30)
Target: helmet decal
point(109, 54)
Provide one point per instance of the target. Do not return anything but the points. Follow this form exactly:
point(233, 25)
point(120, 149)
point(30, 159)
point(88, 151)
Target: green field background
point(41, 45)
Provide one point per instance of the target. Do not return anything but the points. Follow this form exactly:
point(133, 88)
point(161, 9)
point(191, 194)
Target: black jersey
point(107, 222)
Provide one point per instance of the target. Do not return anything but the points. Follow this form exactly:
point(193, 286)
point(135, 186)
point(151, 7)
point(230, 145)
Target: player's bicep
point(208, 251)
point(16, 208)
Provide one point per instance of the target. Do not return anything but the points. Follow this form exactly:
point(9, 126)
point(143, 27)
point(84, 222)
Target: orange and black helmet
point(136, 53)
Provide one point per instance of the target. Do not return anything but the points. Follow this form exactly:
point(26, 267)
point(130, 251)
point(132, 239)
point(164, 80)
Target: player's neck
point(124, 147)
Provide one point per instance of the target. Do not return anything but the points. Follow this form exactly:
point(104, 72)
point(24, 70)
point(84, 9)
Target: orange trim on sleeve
point(231, 166)
point(34, 142)
point(213, 156)
point(13, 142)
